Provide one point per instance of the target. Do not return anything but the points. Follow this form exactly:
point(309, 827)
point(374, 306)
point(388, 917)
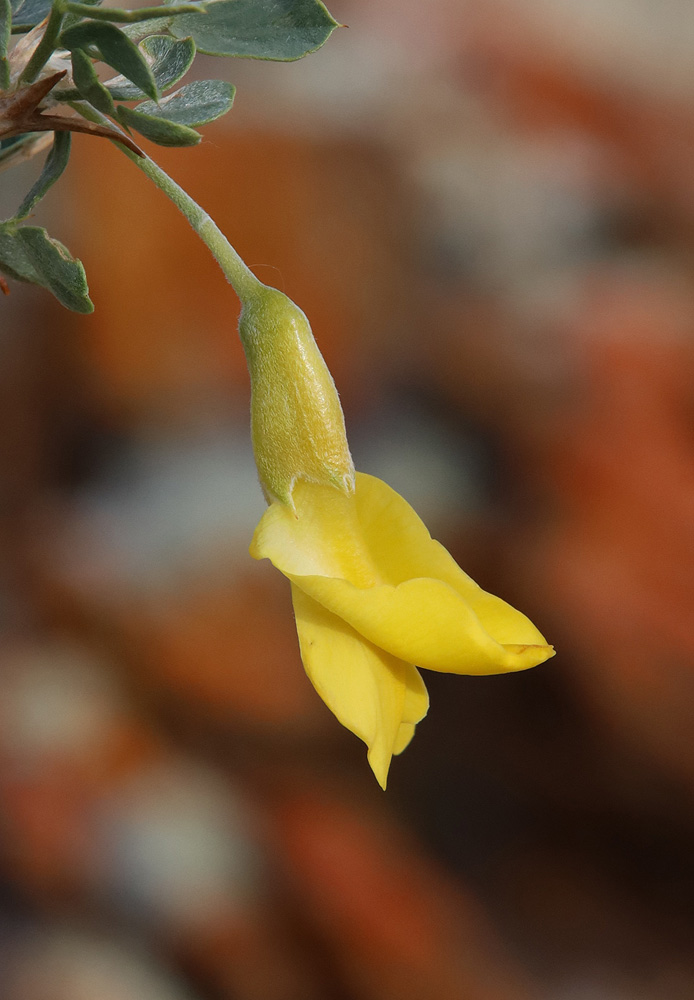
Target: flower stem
point(237, 272)
point(132, 16)
point(46, 47)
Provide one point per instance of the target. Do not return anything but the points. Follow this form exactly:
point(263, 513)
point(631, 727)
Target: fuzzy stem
point(132, 16)
point(46, 47)
point(237, 272)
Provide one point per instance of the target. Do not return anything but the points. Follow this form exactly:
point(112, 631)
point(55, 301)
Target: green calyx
point(297, 424)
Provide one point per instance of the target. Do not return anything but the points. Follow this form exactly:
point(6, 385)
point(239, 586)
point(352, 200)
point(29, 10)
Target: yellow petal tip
point(380, 769)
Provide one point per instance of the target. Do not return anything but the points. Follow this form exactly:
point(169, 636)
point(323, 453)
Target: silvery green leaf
point(14, 259)
point(195, 104)
point(169, 58)
point(27, 14)
point(5, 34)
point(88, 84)
point(258, 29)
point(115, 48)
point(159, 130)
point(57, 269)
point(28, 253)
point(55, 164)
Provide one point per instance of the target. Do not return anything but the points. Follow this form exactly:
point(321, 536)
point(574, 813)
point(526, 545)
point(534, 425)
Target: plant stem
point(237, 272)
point(46, 47)
point(132, 16)
point(239, 275)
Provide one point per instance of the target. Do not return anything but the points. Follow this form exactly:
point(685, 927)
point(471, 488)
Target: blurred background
point(487, 211)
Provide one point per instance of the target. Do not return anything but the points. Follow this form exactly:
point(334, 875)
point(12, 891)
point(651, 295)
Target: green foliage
point(26, 14)
point(18, 148)
point(55, 164)
point(88, 83)
point(5, 29)
point(147, 57)
point(172, 121)
point(14, 257)
point(119, 16)
point(195, 104)
point(259, 29)
point(169, 58)
point(29, 254)
point(115, 48)
point(157, 129)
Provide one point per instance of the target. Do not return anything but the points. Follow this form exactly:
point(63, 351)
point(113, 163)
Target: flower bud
point(297, 424)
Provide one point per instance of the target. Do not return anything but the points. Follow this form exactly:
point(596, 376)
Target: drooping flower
point(375, 597)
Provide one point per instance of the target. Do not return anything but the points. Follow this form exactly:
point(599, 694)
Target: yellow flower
point(374, 595)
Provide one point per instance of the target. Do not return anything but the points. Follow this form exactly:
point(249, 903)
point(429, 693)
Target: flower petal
point(373, 694)
point(373, 536)
point(424, 622)
point(414, 709)
point(401, 548)
point(323, 537)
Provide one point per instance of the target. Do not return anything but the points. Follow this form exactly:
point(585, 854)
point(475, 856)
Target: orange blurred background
point(487, 211)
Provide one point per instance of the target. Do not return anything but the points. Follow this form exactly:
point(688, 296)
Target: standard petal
point(373, 694)
point(424, 622)
point(322, 538)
